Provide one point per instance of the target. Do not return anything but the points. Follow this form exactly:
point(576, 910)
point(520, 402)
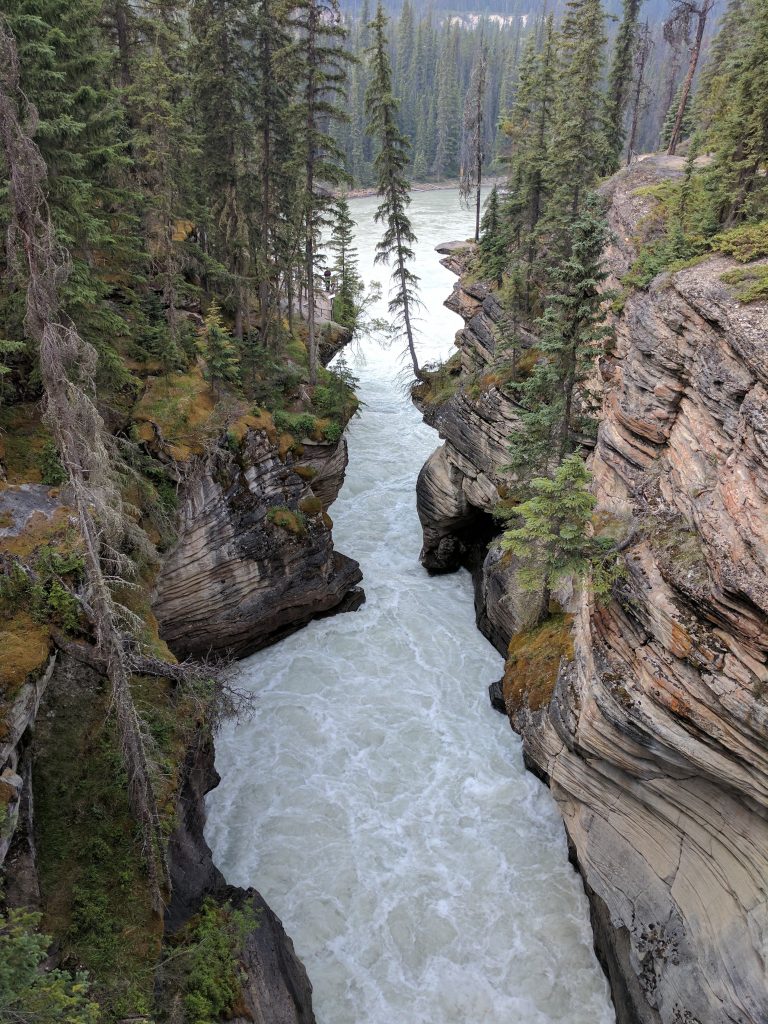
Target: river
point(375, 799)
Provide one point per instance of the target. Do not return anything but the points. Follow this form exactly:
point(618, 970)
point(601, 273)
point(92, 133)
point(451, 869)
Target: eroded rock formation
point(654, 739)
point(254, 559)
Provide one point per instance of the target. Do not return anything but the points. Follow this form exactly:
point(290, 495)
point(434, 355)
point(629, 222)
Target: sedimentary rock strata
point(254, 558)
point(654, 742)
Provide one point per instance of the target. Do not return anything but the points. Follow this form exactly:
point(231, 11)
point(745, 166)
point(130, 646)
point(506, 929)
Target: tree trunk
point(701, 15)
point(643, 57)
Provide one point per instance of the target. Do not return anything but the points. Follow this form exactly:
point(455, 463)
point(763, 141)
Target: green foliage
point(28, 993)
point(391, 163)
point(49, 590)
point(554, 540)
point(218, 349)
point(51, 470)
point(290, 520)
point(745, 243)
point(332, 433)
point(751, 282)
point(210, 975)
point(300, 423)
point(572, 330)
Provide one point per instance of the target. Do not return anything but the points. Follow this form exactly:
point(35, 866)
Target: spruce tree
point(578, 146)
point(554, 539)
point(735, 97)
point(65, 63)
point(276, 127)
point(396, 245)
point(348, 284)
point(225, 83)
point(570, 333)
point(686, 11)
point(219, 351)
point(322, 60)
point(471, 177)
point(620, 83)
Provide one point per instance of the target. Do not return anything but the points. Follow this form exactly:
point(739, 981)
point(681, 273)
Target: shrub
point(29, 993)
point(311, 506)
point(51, 470)
point(332, 433)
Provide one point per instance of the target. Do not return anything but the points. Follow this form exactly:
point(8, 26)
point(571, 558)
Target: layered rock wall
point(654, 741)
point(254, 558)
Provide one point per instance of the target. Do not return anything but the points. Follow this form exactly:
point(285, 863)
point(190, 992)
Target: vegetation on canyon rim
point(165, 222)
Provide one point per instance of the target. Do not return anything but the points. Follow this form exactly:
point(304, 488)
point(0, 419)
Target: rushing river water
point(376, 800)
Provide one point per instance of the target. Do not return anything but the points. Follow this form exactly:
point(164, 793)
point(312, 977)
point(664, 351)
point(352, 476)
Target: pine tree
point(64, 62)
point(686, 124)
point(225, 83)
point(396, 245)
point(529, 130)
point(165, 150)
point(620, 83)
point(685, 11)
point(493, 250)
point(348, 284)
point(322, 61)
point(471, 177)
point(571, 331)
point(639, 88)
point(736, 100)
point(276, 129)
point(555, 540)
point(219, 351)
point(578, 144)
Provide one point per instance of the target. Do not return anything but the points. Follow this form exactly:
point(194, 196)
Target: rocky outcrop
point(654, 739)
point(276, 989)
point(254, 558)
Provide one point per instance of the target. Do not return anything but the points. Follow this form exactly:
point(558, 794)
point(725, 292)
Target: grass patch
point(293, 522)
point(311, 506)
point(440, 384)
point(181, 406)
point(532, 664)
point(750, 283)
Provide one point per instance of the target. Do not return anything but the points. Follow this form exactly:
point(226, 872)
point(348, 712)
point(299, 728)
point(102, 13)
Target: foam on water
point(375, 799)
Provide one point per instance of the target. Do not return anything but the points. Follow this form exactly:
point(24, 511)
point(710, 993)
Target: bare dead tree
point(683, 12)
point(67, 369)
point(471, 176)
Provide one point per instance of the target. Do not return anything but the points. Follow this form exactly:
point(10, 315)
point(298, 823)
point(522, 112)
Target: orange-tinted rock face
point(655, 742)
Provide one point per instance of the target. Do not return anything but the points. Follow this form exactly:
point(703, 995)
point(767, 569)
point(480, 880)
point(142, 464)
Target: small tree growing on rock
point(554, 539)
point(219, 351)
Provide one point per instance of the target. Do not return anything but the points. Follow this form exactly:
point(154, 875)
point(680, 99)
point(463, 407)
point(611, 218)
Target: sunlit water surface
point(375, 799)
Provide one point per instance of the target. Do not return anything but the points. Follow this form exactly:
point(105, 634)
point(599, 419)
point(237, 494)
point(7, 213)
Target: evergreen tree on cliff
point(321, 62)
point(578, 145)
point(396, 245)
point(620, 83)
point(64, 66)
point(552, 419)
point(735, 102)
point(276, 126)
point(225, 76)
point(529, 129)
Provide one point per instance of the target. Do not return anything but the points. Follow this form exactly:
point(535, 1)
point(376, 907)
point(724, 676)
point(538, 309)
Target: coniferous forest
point(180, 268)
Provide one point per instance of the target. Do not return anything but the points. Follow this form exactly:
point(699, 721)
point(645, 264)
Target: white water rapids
point(375, 799)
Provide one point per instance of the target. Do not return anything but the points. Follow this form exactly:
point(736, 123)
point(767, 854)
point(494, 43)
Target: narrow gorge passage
point(375, 799)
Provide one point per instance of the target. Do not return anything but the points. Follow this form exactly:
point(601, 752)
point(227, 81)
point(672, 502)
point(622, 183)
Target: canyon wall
point(652, 733)
point(254, 558)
